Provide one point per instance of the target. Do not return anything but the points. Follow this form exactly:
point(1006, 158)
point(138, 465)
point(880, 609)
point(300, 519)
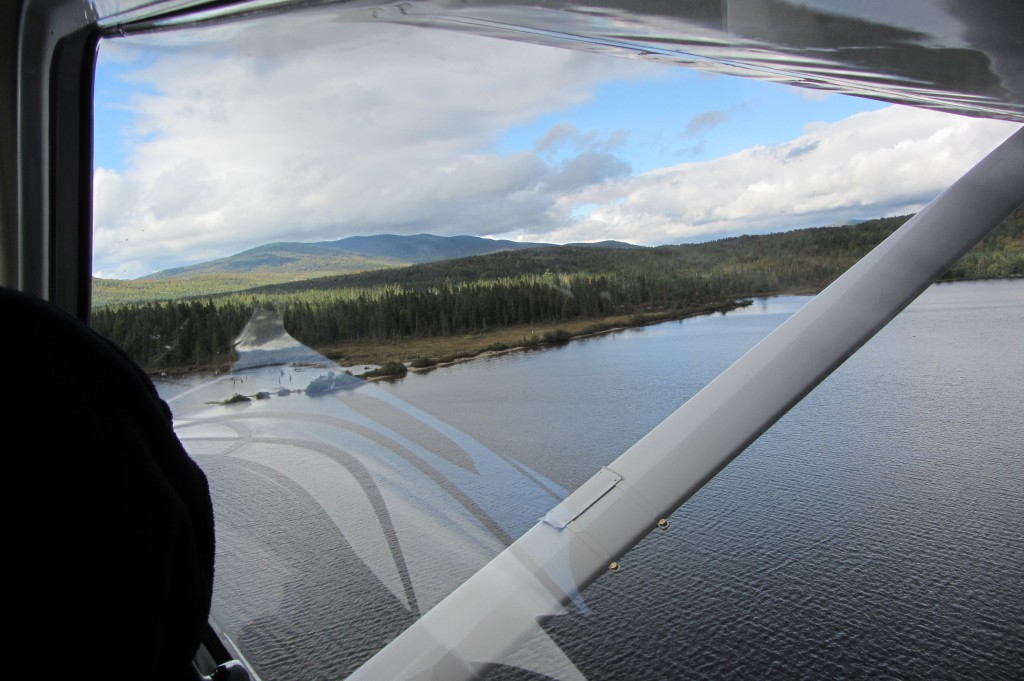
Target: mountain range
point(353, 254)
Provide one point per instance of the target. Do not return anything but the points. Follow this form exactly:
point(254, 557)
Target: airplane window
point(294, 225)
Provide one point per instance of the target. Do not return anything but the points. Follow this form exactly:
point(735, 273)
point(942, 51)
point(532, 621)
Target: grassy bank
point(443, 350)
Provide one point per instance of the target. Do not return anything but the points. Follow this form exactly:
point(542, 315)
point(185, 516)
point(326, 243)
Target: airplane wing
point(949, 55)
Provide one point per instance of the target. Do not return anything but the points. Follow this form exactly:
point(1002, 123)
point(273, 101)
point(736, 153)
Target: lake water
point(877, 531)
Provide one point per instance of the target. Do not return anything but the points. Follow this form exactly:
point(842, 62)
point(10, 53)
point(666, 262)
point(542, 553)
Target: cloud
point(703, 122)
point(331, 129)
point(885, 162)
point(584, 170)
point(563, 138)
point(559, 136)
point(334, 129)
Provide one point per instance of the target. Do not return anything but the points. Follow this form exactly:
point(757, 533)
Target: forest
point(551, 284)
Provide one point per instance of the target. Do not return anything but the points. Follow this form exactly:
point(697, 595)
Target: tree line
point(535, 286)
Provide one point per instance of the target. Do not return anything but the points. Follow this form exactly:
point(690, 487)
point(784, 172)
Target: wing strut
point(534, 578)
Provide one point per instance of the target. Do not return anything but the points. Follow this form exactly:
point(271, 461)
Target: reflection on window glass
point(305, 228)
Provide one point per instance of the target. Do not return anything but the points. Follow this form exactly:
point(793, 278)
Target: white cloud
point(338, 129)
point(703, 122)
point(884, 162)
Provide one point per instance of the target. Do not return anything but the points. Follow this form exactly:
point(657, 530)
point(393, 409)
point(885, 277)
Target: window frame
point(48, 68)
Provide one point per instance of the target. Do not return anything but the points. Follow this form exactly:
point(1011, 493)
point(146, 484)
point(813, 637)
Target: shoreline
point(446, 351)
point(650, 320)
point(459, 349)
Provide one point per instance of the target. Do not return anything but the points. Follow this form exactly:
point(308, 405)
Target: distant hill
point(351, 254)
point(421, 248)
point(819, 254)
point(610, 243)
point(284, 262)
point(470, 297)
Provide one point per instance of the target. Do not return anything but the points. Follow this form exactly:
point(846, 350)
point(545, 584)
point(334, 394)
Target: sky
point(213, 142)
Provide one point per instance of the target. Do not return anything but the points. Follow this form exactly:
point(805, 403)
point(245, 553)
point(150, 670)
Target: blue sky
point(328, 131)
point(684, 115)
point(114, 134)
point(675, 115)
